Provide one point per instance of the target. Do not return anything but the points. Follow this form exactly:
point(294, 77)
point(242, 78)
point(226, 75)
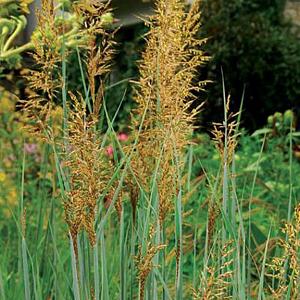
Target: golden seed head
point(164, 96)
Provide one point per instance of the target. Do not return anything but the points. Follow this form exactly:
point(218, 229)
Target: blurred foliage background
point(258, 48)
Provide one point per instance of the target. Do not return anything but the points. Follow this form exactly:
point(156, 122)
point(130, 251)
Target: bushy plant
point(257, 50)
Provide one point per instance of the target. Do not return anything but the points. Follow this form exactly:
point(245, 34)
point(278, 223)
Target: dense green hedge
point(256, 48)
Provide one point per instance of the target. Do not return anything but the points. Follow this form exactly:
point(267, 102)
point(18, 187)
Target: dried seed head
point(285, 269)
point(216, 284)
point(225, 136)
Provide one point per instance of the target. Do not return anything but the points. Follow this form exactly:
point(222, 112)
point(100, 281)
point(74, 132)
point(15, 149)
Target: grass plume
point(165, 93)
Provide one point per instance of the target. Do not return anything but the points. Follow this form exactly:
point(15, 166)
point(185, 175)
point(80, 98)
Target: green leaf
point(262, 131)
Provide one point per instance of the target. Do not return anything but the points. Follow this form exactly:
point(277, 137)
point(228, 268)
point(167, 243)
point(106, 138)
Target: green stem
point(10, 40)
point(4, 33)
point(25, 47)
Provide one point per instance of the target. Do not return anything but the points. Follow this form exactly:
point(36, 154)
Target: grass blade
point(76, 290)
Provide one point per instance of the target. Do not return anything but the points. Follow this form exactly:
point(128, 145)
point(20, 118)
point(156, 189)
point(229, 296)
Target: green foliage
point(256, 48)
point(272, 185)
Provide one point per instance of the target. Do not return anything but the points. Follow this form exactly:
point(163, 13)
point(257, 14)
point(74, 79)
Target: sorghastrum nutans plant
point(89, 171)
point(215, 282)
point(44, 81)
point(225, 137)
point(284, 269)
point(86, 166)
point(89, 168)
point(52, 41)
point(163, 121)
point(164, 96)
point(144, 260)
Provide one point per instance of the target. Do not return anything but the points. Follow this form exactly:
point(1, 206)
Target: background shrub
point(257, 48)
